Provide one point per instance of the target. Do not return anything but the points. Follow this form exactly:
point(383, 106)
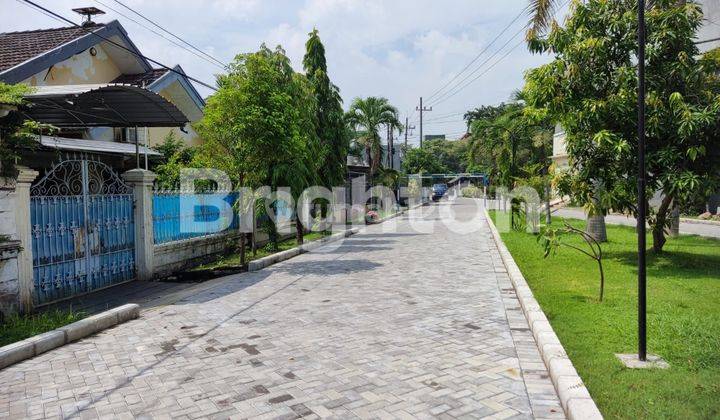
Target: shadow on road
point(326, 268)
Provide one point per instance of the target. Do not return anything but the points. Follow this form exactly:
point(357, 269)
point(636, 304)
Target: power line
point(519, 15)
point(453, 91)
point(30, 3)
point(41, 11)
point(460, 86)
point(454, 133)
point(442, 122)
point(484, 72)
point(443, 116)
point(159, 34)
point(225, 65)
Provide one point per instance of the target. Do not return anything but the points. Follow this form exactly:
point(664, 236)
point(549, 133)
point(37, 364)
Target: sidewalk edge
point(699, 221)
point(41, 343)
point(574, 396)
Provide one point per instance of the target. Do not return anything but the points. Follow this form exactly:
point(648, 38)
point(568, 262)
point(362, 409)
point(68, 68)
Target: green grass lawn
point(234, 259)
point(20, 327)
point(683, 320)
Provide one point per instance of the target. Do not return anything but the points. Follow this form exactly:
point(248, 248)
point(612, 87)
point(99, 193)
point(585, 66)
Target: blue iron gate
point(83, 233)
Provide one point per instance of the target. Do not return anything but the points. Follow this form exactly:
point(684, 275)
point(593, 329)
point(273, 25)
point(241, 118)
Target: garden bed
point(683, 320)
point(230, 264)
point(20, 327)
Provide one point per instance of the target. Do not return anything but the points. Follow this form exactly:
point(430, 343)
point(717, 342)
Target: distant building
point(709, 32)
point(559, 156)
point(68, 57)
point(427, 137)
point(362, 161)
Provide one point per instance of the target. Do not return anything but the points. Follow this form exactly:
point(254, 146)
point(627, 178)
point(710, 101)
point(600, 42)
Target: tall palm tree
point(541, 14)
point(366, 117)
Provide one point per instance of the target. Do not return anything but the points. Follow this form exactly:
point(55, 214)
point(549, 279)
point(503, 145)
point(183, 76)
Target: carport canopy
point(101, 105)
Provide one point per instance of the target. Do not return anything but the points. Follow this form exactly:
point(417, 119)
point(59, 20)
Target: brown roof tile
point(17, 47)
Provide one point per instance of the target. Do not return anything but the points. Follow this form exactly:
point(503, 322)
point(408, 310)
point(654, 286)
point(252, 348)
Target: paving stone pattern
point(388, 325)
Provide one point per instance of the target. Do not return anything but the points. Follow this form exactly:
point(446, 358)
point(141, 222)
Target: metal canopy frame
point(104, 105)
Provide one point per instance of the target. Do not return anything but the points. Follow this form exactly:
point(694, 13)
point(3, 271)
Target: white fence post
point(142, 183)
point(16, 261)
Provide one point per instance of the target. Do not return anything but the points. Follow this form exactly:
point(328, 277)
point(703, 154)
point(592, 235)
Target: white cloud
point(399, 49)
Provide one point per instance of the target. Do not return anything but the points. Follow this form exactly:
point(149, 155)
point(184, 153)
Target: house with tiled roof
point(78, 214)
point(86, 55)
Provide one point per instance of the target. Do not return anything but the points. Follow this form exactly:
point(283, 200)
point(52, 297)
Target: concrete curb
point(574, 396)
point(33, 346)
point(400, 213)
point(699, 221)
point(263, 262)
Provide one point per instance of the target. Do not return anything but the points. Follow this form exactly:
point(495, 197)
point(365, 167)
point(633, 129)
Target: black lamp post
point(642, 275)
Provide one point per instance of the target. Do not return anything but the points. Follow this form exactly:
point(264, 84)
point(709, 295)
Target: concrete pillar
point(339, 208)
point(26, 284)
point(142, 183)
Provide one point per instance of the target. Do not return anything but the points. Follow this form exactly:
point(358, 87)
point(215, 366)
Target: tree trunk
point(596, 227)
point(376, 160)
point(596, 222)
point(242, 248)
point(602, 278)
point(368, 156)
point(299, 231)
point(243, 235)
point(674, 230)
point(658, 229)
point(254, 230)
point(548, 212)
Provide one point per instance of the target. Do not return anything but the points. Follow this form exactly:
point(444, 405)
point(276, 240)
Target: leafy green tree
point(422, 160)
point(591, 89)
point(451, 154)
point(507, 141)
point(303, 169)
point(485, 112)
point(330, 126)
point(173, 145)
point(388, 177)
point(175, 157)
point(366, 117)
point(259, 126)
point(16, 133)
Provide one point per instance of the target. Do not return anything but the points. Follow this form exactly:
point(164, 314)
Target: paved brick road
point(403, 324)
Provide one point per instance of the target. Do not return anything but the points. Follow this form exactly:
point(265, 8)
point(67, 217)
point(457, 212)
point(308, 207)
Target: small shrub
point(551, 239)
point(471, 192)
point(19, 327)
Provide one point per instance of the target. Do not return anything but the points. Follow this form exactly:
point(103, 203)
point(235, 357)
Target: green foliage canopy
point(330, 126)
point(259, 126)
point(508, 144)
point(591, 89)
point(366, 117)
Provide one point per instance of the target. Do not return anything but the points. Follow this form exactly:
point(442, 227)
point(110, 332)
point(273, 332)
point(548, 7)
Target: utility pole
point(422, 109)
point(642, 275)
point(407, 128)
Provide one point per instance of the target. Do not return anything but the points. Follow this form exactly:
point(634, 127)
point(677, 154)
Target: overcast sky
point(399, 49)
